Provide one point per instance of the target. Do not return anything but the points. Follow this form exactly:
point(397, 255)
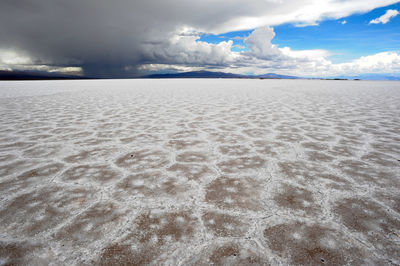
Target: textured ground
point(199, 172)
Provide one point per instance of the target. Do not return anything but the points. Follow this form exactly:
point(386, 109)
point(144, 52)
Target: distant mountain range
point(36, 75)
point(221, 75)
point(40, 75)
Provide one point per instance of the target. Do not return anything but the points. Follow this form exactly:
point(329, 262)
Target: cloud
point(385, 62)
point(114, 38)
point(385, 18)
point(187, 50)
point(260, 45)
point(262, 57)
point(11, 59)
point(343, 22)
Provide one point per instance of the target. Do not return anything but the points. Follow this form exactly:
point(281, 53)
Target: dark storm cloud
point(96, 36)
point(111, 38)
point(102, 36)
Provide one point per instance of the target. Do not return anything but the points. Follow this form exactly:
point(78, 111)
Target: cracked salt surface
point(199, 172)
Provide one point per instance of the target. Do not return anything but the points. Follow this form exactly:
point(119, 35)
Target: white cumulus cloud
point(385, 62)
point(187, 53)
point(385, 18)
point(260, 45)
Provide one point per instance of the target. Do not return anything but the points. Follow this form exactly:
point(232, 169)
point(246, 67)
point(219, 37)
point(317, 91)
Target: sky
point(125, 38)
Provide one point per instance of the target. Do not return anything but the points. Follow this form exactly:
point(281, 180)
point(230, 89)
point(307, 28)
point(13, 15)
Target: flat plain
point(200, 172)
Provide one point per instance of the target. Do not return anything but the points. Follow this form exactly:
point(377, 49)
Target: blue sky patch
point(345, 41)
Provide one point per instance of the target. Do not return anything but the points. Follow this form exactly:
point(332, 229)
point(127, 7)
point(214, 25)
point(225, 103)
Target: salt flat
point(198, 172)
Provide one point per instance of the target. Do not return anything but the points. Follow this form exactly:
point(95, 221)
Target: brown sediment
point(15, 167)
point(98, 173)
point(304, 244)
point(296, 198)
point(343, 151)
point(257, 132)
point(160, 228)
point(234, 193)
point(44, 171)
point(190, 171)
point(362, 172)
point(229, 253)
point(298, 170)
point(290, 137)
point(46, 209)
point(371, 219)
point(77, 157)
point(316, 156)
point(16, 146)
point(225, 225)
point(227, 138)
point(7, 157)
point(26, 179)
point(20, 253)
point(143, 159)
point(191, 157)
point(117, 254)
point(184, 134)
point(221, 253)
point(320, 136)
point(234, 150)
point(91, 224)
point(381, 159)
point(154, 233)
point(241, 164)
point(336, 182)
point(151, 184)
point(181, 144)
point(315, 146)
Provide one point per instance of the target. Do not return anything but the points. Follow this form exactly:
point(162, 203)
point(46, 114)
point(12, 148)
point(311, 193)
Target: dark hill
point(210, 74)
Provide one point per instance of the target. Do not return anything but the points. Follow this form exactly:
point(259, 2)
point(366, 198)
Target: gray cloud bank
point(121, 37)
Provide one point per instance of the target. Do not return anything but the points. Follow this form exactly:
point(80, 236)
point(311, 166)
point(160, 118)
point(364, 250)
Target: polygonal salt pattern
point(199, 172)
